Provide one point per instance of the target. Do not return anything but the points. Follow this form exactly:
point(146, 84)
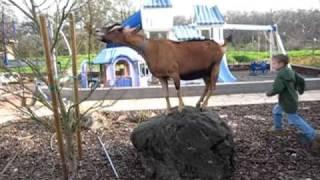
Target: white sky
point(184, 7)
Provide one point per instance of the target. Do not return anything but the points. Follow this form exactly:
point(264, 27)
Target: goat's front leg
point(165, 89)
point(176, 79)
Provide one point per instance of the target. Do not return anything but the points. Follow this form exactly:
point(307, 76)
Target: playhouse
point(124, 67)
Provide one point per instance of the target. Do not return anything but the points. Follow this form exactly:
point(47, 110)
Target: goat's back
point(194, 58)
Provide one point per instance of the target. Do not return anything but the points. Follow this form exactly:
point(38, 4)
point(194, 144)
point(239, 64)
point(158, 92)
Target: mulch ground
point(259, 154)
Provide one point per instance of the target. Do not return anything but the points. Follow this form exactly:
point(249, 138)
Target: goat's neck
point(138, 43)
point(141, 44)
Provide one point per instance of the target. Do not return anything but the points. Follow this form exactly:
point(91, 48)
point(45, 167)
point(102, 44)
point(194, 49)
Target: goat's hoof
point(198, 106)
point(203, 107)
point(180, 109)
point(169, 111)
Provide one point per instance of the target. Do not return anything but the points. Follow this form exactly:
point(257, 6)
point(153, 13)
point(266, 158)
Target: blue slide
point(225, 74)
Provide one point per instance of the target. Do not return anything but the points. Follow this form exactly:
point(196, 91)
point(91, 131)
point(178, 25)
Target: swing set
point(272, 36)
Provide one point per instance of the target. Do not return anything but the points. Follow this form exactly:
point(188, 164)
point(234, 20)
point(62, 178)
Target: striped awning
point(157, 4)
point(206, 15)
point(186, 32)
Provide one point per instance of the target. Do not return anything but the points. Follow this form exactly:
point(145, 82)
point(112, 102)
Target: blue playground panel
point(255, 67)
point(124, 82)
point(134, 21)
point(225, 74)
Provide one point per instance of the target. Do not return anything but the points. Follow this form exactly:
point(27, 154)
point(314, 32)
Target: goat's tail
point(226, 41)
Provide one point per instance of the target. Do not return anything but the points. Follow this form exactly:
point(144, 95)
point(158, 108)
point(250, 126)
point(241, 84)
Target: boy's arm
point(300, 83)
point(277, 87)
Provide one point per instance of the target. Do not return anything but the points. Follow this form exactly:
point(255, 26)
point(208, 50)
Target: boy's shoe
point(315, 146)
point(274, 130)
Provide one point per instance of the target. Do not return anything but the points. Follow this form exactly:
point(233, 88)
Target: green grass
point(303, 57)
point(245, 56)
point(64, 60)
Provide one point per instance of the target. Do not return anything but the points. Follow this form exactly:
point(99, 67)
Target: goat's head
point(115, 33)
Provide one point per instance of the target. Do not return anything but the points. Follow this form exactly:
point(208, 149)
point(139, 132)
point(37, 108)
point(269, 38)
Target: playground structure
point(8, 43)
point(255, 67)
point(119, 67)
point(124, 67)
point(148, 19)
point(271, 33)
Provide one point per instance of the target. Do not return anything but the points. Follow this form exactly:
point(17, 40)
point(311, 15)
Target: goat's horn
point(115, 27)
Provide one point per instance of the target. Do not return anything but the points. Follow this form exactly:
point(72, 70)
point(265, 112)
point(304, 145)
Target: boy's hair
point(282, 58)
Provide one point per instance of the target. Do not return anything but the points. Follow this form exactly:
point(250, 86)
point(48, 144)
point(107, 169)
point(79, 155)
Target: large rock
point(186, 145)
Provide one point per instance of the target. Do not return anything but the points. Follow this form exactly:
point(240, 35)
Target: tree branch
point(29, 15)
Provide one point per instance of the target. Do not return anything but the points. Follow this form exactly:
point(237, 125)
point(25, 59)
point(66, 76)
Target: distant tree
point(9, 19)
point(97, 14)
point(181, 20)
point(297, 28)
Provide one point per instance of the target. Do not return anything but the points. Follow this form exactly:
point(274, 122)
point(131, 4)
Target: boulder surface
point(185, 145)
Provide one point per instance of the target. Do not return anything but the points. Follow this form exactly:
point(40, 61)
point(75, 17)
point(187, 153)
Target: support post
point(271, 48)
point(280, 43)
point(5, 57)
point(53, 88)
point(75, 83)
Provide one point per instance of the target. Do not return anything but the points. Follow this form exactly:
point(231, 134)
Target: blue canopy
point(133, 21)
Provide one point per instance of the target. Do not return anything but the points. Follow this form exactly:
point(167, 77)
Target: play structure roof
point(133, 21)
point(186, 32)
point(157, 3)
point(109, 55)
point(206, 15)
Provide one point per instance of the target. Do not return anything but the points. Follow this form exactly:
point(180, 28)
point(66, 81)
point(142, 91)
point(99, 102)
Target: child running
point(286, 85)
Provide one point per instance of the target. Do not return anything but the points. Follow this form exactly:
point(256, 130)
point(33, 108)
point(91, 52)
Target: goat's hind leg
point(165, 89)
point(212, 84)
point(207, 81)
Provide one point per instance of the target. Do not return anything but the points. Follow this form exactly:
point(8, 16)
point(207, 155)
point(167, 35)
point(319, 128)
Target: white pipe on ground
point(109, 158)
point(66, 42)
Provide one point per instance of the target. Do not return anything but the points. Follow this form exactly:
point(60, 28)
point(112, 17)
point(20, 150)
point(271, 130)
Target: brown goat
point(168, 59)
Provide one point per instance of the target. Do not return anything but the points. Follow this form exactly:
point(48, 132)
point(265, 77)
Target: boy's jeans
point(295, 120)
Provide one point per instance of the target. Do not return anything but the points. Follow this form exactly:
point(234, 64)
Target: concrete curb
point(187, 91)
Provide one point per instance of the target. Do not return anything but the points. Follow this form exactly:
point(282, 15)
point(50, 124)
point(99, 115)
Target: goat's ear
point(131, 30)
